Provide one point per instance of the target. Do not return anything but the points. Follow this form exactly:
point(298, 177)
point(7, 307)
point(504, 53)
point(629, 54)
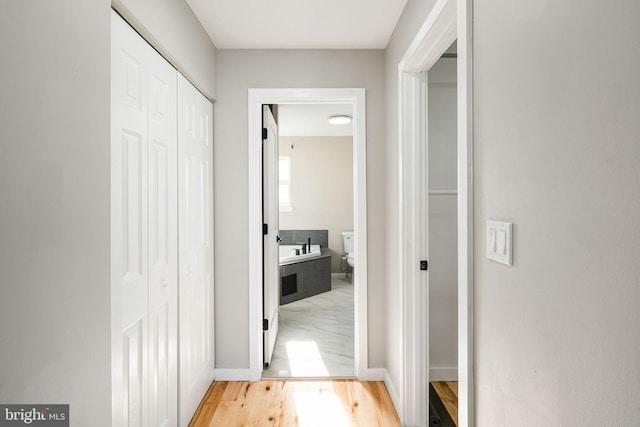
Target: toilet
point(347, 240)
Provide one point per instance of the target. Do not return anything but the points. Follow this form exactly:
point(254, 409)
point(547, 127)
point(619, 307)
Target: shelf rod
point(443, 192)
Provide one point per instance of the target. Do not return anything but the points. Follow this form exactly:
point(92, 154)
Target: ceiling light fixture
point(339, 119)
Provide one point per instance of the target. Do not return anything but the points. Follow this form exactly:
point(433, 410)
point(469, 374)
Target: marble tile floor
point(316, 336)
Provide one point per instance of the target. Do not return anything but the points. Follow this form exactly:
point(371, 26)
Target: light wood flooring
point(448, 393)
point(337, 403)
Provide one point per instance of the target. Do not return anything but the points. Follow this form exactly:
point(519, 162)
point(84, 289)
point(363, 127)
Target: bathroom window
point(284, 175)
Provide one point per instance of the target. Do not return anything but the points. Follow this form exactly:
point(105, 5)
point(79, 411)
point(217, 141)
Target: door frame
point(256, 98)
point(449, 20)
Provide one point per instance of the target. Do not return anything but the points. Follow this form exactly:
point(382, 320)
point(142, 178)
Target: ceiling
point(298, 24)
point(312, 120)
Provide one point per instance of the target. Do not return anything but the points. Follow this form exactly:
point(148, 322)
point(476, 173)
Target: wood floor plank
point(389, 414)
point(363, 405)
point(223, 416)
point(257, 401)
point(232, 390)
point(210, 402)
point(296, 403)
point(448, 393)
point(289, 417)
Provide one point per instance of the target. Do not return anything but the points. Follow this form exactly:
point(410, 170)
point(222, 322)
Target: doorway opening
point(312, 298)
point(448, 21)
point(443, 244)
point(264, 265)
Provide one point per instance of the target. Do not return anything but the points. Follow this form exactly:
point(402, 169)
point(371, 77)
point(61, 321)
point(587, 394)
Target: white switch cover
point(499, 246)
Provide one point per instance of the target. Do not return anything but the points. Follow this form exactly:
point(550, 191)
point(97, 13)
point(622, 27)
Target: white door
point(195, 194)
point(143, 232)
point(271, 298)
point(163, 243)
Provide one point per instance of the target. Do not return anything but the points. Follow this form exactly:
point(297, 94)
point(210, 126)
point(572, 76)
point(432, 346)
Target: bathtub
point(304, 275)
point(288, 256)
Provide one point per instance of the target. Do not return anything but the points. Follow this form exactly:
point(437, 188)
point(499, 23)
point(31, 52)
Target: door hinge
point(265, 324)
point(424, 265)
point(264, 133)
point(265, 229)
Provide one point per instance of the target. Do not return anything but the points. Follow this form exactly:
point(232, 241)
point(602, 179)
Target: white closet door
point(143, 232)
point(195, 182)
point(163, 242)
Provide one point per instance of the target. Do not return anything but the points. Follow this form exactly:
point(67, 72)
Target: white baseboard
point(395, 397)
point(373, 374)
point(443, 374)
point(233, 375)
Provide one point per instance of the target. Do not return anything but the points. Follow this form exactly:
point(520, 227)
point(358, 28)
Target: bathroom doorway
point(357, 279)
point(315, 193)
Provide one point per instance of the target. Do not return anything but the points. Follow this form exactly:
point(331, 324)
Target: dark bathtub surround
point(298, 237)
point(305, 279)
point(308, 277)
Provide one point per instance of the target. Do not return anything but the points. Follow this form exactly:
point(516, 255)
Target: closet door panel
point(144, 232)
point(163, 243)
point(134, 376)
point(129, 261)
point(195, 182)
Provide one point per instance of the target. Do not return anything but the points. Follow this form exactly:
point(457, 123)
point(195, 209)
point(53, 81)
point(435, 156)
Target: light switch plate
point(499, 241)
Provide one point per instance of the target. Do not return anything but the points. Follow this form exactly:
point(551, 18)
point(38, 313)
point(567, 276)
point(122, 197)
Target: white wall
point(239, 70)
point(54, 212)
point(321, 187)
point(413, 16)
point(443, 222)
point(176, 33)
point(557, 102)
